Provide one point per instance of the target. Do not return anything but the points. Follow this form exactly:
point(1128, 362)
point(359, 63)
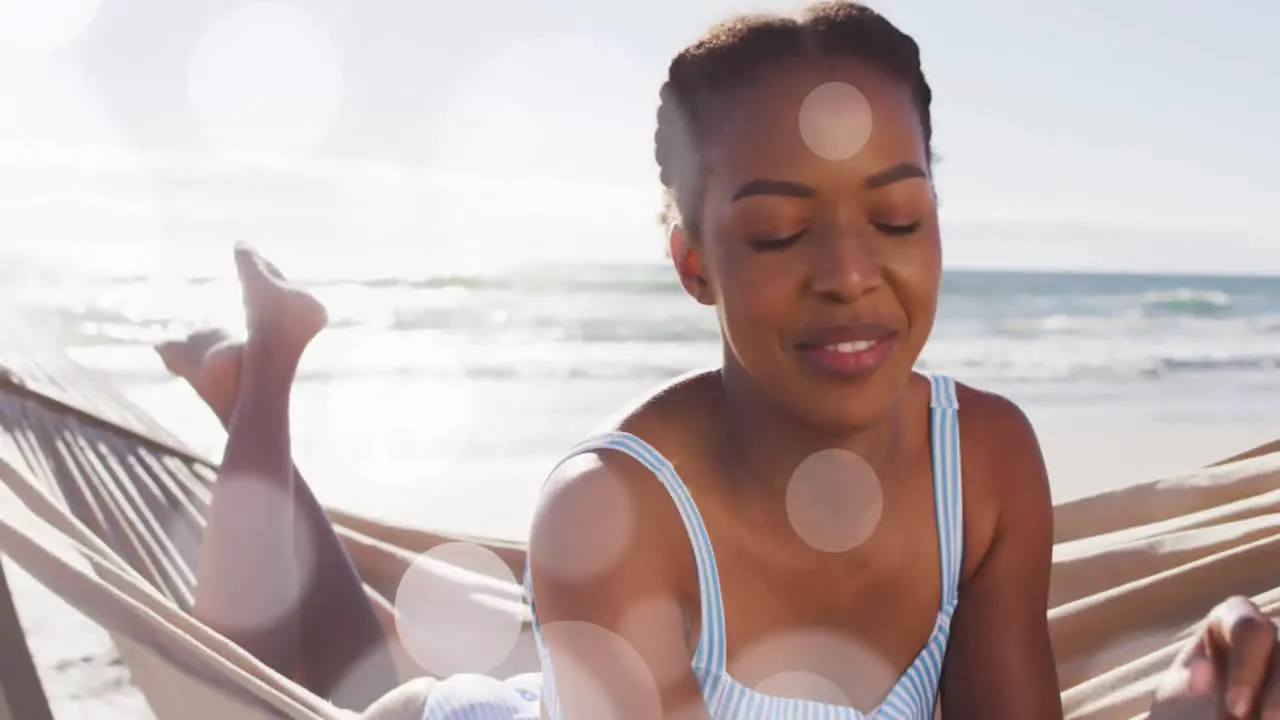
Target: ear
point(686, 255)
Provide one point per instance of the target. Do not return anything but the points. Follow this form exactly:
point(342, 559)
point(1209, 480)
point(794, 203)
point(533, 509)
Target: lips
point(848, 351)
point(862, 335)
point(848, 348)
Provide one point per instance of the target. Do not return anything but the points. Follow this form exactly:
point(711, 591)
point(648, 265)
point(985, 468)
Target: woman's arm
point(605, 556)
point(1000, 660)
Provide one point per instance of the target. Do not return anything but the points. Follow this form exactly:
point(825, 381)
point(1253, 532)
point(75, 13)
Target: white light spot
point(265, 80)
point(582, 655)
point(835, 121)
point(834, 500)
point(610, 524)
point(38, 28)
point(256, 502)
point(455, 612)
point(648, 613)
point(816, 664)
point(806, 685)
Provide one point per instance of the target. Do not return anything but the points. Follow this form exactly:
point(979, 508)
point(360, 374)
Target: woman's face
point(823, 261)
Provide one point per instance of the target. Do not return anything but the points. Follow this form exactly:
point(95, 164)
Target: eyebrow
point(788, 188)
point(785, 188)
point(897, 173)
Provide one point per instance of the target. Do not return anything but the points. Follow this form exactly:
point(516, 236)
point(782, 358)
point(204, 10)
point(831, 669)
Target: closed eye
point(765, 244)
point(896, 230)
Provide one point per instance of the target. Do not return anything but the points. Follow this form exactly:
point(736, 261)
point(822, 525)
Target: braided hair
point(731, 53)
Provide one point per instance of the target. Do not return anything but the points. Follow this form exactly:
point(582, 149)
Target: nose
point(845, 266)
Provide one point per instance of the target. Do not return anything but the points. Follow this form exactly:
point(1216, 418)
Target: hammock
point(103, 506)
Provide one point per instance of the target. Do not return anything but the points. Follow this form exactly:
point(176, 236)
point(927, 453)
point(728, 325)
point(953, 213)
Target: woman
point(754, 596)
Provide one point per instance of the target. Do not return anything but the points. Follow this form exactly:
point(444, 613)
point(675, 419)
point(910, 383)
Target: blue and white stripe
point(913, 697)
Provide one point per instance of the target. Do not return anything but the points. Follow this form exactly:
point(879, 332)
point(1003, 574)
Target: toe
point(272, 270)
point(246, 260)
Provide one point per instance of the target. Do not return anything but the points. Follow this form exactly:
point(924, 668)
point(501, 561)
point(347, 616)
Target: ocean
point(433, 394)
point(443, 399)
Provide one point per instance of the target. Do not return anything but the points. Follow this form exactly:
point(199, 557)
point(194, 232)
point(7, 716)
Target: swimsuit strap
point(710, 653)
point(948, 485)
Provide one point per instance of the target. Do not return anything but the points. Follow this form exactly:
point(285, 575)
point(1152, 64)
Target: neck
point(765, 443)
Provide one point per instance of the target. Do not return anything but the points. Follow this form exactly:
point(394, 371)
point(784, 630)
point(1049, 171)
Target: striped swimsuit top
point(913, 697)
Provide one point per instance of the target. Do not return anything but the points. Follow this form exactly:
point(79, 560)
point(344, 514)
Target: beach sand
point(1085, 455)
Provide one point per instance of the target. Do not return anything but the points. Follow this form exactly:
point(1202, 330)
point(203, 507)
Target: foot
point(210, 361)
point(275, 309)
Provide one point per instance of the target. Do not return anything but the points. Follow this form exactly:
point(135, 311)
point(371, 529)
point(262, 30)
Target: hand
point(1231, 669)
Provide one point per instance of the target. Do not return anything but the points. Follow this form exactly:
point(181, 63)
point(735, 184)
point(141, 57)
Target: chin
point(836, 411)
point(850, 406)
point(857, 414)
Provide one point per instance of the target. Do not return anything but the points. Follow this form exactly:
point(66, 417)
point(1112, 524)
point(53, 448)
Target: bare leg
point(318, 632)
point(210, 361)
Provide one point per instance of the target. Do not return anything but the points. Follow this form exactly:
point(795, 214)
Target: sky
point(1117, 135)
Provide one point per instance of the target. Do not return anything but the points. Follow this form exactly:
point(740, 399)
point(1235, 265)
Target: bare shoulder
point(992, 424)
point(604, 522)
point(608, 552)
point(1006, 484)
point(600, 513)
